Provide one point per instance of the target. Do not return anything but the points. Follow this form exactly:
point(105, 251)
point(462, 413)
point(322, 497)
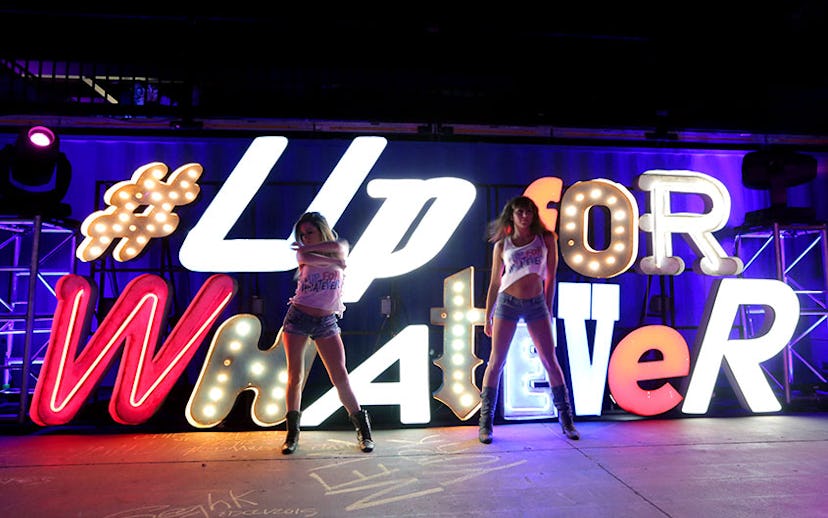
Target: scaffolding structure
point(796, 254)
point(34, 253)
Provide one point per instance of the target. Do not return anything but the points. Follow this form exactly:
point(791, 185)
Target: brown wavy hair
point(504, 225)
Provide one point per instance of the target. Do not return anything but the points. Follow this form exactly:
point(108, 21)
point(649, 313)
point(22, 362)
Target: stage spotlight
point(775, 170)
point(34, 175)
point(42, 137)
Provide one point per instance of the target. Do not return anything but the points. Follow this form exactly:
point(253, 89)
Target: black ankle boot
point(362, 423)
point(292, 437)
point(488, 397)
point(560, 396)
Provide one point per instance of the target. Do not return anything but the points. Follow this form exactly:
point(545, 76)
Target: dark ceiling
point(760, 68)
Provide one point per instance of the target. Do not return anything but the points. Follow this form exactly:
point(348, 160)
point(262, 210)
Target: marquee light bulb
point(134, 230)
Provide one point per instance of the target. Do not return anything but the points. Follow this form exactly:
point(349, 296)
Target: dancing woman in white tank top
point(522, 286)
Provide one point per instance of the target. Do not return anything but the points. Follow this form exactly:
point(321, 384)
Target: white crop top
point(320, 287)
point(520, 261)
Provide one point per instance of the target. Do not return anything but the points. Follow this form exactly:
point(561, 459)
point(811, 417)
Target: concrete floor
point(750, 466)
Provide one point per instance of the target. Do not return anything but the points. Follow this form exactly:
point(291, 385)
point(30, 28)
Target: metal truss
point(796, 254)
point(34, 254)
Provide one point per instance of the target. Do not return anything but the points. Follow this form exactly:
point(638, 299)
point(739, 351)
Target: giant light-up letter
point(697, 229)
point(741, 358)
point(526, 387)
point(577, 303)
point(626, 369)
point(410, 348)
point(145, 376)
point(623, 221)
point(205, 248)
point(234, 363)
point(458, 362)
point(544, 191)
point(375, 256)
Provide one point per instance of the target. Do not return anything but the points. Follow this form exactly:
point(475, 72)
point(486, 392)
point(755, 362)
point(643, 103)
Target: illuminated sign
point(741, 358)
point(458, 316)
point(576, 251)
point(577, 304)
point(119, 222)
point(234, 363)
point(526, 387)
point(697, 229)
point(146, 375)
point(207, 249)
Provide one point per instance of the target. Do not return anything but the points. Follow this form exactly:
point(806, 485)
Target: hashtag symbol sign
point(138, 210)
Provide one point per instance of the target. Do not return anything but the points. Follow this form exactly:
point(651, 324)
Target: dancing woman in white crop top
point(522, 286)
point(312, 313)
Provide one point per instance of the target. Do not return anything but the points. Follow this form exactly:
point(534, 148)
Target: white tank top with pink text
point(321, 288)
point(520, 261)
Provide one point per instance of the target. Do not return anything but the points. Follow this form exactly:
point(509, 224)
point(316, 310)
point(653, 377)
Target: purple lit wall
point(499, 171)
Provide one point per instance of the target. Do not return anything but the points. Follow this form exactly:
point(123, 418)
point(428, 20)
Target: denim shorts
point(512, 308)
point(298, 322)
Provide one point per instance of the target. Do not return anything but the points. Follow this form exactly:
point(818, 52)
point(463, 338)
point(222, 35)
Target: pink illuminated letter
point(145, 376)
point(626, 369)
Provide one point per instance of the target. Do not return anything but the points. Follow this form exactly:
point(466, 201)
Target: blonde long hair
point(318, 221)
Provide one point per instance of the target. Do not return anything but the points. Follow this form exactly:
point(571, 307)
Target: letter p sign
point(374, 255)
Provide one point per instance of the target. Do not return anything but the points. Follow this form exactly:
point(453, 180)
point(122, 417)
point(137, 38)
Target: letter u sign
point(206, 249)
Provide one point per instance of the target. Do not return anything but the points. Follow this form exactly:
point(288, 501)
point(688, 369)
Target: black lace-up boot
point(362, 423)
point(488, 398)
point(292, 438)
point(560, 396)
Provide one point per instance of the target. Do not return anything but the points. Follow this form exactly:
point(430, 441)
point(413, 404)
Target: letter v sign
point(206, 249)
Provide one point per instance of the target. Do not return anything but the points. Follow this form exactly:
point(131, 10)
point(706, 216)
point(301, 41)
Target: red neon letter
point(145, 377)
point(625, 369)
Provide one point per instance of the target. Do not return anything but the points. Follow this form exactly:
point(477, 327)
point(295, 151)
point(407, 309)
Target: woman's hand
point(487, 328)
point(332, 248)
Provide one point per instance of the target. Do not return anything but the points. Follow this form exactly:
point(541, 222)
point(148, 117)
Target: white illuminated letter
point(695, 228)
point(375, 256)
point(577, 303)
point(412, 392)
point(458, 316)
point(741, 358)
point(526, 392)
point(206, 249)
point(573, 241)
point(148, 191)
point(234, 363)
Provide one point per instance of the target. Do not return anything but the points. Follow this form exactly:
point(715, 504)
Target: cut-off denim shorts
point(512, 308)
point(298, 322)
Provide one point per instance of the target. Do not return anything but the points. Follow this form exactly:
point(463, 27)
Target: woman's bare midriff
point(314, 312)
point(526, 287)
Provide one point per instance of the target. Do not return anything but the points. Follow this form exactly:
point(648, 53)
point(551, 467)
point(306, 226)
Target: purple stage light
point(41, 136)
